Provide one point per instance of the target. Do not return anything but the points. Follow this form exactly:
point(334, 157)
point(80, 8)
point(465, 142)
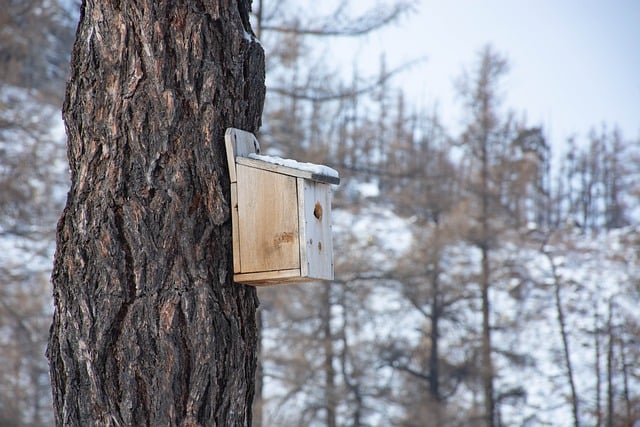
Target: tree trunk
point(434, 352)
point(149, 328)
point(564, 335)
point(625, 383)
point(487, 348)
point(596, 335)
point(487, 363)
point(610, 389)
point(329, 371)
point(434, 336)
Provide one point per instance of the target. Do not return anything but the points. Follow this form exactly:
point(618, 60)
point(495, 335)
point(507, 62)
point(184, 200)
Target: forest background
point(482, 265)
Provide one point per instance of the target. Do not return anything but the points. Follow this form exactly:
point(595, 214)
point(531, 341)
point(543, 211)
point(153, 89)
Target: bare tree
point(484, 139)
point(564, 335)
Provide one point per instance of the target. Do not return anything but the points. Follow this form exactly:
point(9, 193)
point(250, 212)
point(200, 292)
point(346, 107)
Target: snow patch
point(379, 234)
point(368, 189)
point(293, 164)
point(251, 38)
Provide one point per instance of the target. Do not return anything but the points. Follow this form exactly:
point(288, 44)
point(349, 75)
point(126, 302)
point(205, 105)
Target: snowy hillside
point(595, 278)
point(33, 186)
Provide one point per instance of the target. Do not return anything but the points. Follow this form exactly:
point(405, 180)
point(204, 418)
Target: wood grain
point(268, 221)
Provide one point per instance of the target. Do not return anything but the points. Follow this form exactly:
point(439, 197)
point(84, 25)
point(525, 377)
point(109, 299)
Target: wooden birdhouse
point(281, 215)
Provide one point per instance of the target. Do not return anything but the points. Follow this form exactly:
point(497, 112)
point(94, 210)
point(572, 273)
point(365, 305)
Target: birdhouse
point(281, 215)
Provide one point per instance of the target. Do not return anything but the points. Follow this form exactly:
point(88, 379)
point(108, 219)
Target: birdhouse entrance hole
point(317, 211)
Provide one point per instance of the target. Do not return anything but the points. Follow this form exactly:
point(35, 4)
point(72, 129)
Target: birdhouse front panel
point(268, 227)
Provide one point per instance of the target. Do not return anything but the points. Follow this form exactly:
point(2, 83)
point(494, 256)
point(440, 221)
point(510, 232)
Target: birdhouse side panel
point(318, 245)
point(267, 221)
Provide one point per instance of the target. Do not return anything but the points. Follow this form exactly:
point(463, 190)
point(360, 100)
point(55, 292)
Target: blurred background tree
point(35, 41)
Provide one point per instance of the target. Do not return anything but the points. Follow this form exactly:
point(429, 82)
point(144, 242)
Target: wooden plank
point(235, 231)
point(263, 279)
point(268, 277)
point(317, 216)
point(284, 170)
point(304, 264)
point(238, 143)
point(268, 221)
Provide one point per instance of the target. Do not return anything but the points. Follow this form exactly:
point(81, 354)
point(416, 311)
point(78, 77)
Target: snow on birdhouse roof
point(317, 172)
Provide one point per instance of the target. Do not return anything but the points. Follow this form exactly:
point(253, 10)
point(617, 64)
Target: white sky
point(575, 64)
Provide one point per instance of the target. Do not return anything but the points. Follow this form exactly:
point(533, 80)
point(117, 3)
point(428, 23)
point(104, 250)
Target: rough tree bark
point(148, 327)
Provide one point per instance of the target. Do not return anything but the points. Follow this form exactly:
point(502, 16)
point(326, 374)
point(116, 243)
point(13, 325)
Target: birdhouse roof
point(320, 173)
